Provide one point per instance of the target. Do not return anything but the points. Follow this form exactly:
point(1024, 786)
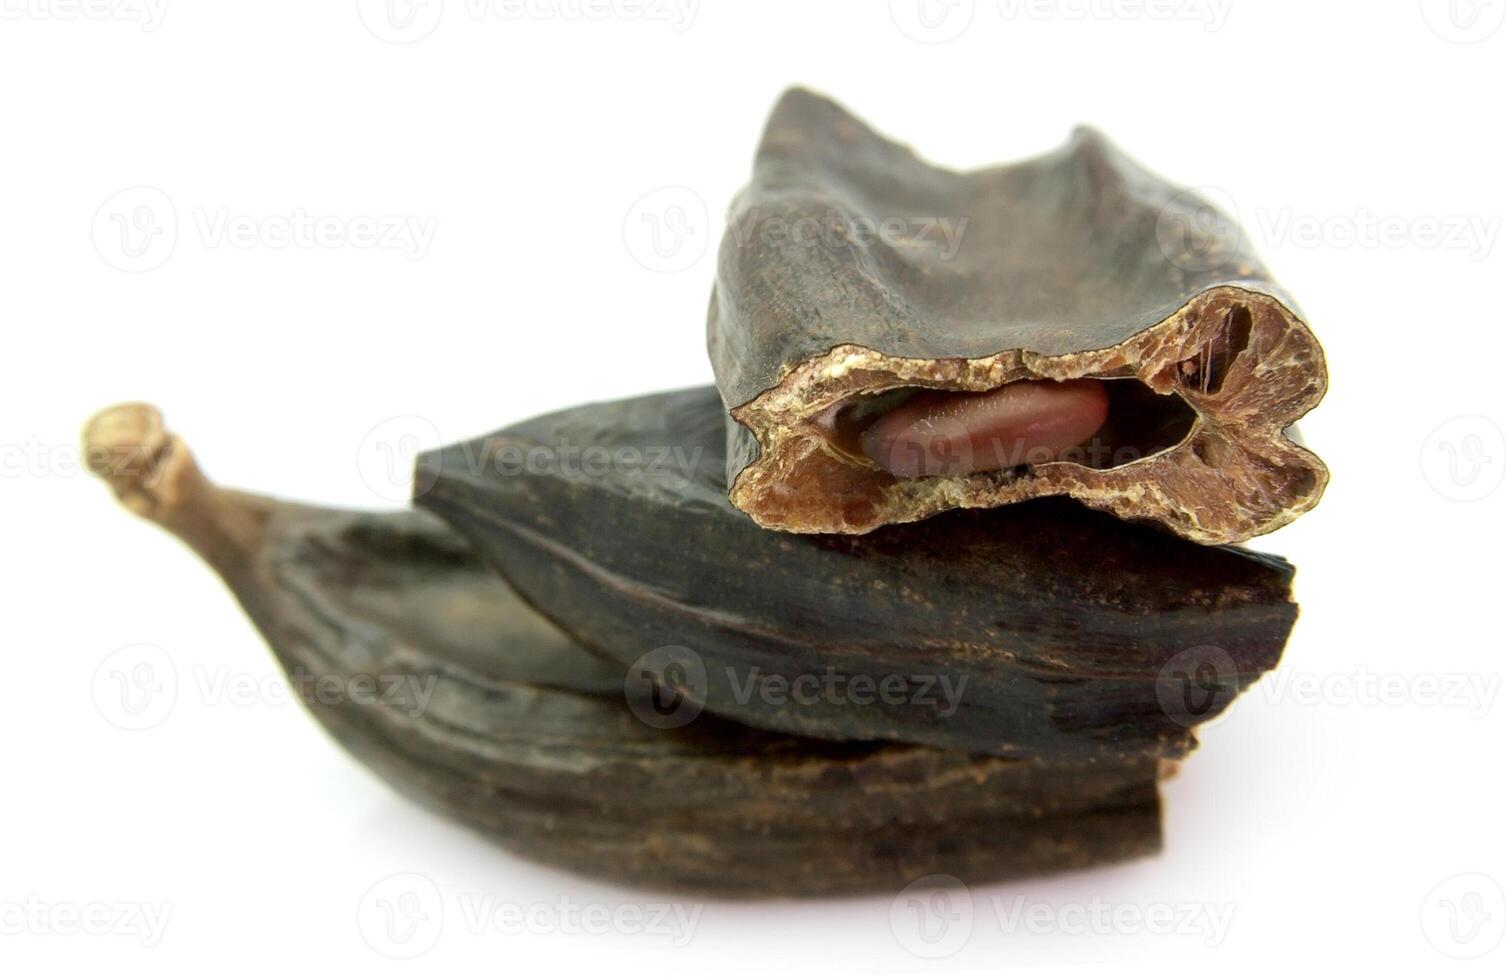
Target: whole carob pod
point(1040, 630)
point(939, 673)
point(478, 707)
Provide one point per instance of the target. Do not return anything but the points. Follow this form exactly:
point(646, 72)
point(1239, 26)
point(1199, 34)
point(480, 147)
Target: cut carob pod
point(1045, 630)
point(893, 339)
point(416, 656)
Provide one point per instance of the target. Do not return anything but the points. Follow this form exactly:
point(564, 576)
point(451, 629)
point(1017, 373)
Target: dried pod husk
point(853, 271)
point(1041, 631)
point(421, 662)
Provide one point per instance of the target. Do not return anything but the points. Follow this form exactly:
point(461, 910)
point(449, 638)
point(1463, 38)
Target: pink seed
point(949, 433)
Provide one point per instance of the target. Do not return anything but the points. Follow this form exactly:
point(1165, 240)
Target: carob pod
point(478, 707)
point(1045, 630)
point(853, 276)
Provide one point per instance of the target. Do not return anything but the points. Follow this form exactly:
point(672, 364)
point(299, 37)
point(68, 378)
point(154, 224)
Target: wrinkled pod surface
point(1043, 630)
point(1186, 364)
point(486, 712)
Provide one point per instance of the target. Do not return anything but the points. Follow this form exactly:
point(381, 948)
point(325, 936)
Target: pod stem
point(155, 476)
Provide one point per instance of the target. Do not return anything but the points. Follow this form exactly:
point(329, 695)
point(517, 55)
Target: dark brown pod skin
point(1076, 264)
point(1041, 631)
point(479, 708)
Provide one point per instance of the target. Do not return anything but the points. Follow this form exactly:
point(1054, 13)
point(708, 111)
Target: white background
point(1354, 140)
